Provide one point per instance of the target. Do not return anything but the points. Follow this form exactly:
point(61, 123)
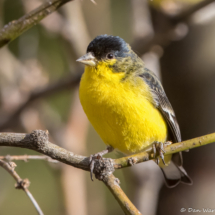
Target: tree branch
point(15, 28)
point(65, 83)
point(183, 16)
point(21, 183)
point(113, 185)
point(38, 141)
point(143, 45)
point(171, 149)
point(103, 169)
point(25, 158)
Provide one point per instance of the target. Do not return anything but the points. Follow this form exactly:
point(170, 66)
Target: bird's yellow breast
point(121, 111)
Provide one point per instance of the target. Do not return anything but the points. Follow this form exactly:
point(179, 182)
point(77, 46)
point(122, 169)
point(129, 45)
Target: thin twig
point(143, 45)
point(183, 16)
point(21, 183)
point(33, 201)
point(27, 157)
point(15, 28)
point(65, 83)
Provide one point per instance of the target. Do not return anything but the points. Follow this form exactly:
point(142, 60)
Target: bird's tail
point(174, 173)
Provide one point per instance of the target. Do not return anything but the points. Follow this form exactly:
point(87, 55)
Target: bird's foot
point(159, 147)
point(97, 156)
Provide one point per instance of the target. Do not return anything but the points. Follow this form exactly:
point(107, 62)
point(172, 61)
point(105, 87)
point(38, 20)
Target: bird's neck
point(103, 73)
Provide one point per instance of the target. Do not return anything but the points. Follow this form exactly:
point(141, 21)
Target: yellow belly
point(121, 112)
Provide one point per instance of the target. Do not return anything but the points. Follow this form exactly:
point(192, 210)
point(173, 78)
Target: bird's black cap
point(105, 44)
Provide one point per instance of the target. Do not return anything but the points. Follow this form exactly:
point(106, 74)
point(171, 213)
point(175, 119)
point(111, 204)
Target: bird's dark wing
point(171, 174)
point(162, 102)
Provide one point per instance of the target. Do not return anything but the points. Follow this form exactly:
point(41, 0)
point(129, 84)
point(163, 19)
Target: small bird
point(127, 105)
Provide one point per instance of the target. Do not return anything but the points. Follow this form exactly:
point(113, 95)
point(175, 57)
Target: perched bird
point(126, 104)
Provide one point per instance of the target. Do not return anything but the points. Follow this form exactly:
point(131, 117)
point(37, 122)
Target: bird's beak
point(87, 59)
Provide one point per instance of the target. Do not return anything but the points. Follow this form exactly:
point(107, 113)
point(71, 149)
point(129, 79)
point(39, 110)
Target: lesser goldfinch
point(126, 104)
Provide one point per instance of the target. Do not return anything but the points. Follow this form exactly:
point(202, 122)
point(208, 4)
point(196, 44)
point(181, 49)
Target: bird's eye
point(110, 56)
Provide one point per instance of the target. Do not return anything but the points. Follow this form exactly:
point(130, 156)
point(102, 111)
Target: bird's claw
point(98, 156)
point(159, 146)
point(92, 163)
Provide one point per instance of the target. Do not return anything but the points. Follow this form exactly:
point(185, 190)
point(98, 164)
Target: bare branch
point(38, 141)
point(65, 83)
point(33, 201)
point(25, 158)
point(171, 149)
point(15, 28)
point(103, 169)
point(182, 17)
point(113, 185)
point(21, 183)
point(143, 45)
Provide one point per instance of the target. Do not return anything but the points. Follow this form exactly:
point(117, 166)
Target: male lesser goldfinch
point(127, 105)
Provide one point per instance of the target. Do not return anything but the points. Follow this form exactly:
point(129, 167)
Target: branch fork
point(38, 141)
point(103, 167)
point(22, 184)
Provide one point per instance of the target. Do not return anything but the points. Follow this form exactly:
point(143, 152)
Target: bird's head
point(111, 51)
